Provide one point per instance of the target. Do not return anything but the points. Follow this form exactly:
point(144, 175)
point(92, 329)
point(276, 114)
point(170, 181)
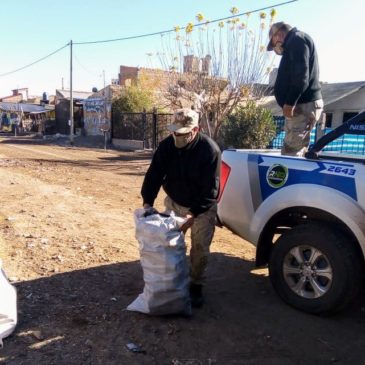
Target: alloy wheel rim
point(307, 271)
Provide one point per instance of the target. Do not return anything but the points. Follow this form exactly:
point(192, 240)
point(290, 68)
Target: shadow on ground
point(79, 317)
point(120, 162)
point(93, 142)
point(136, 165)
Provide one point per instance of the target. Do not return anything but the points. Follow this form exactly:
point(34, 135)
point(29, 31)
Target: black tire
point(316, 268)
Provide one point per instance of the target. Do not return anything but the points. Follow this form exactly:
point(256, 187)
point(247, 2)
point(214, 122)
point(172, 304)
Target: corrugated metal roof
point(77, 95)
point(331, 93)
point(26, 108)
point(336, 91)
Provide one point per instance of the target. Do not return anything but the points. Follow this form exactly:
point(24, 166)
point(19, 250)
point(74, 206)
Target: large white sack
point(165, 269)
point(8, 307)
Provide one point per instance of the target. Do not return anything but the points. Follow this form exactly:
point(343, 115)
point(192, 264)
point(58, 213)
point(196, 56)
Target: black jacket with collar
point(298, 75)
point(189, 175)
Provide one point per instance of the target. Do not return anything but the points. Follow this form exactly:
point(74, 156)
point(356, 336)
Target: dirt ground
point(67, 243)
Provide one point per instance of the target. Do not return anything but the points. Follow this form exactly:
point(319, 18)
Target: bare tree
point(215, 66)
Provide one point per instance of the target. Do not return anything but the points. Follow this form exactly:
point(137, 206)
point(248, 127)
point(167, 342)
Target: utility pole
point(105, 124)
point(71, 102)
point(104, 91)
point(62, 84)
point(104, 96)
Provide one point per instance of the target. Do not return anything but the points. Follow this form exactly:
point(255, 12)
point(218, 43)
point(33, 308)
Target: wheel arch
point(293, 216)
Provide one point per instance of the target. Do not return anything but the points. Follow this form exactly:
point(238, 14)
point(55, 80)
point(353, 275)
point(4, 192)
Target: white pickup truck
point(306, 216)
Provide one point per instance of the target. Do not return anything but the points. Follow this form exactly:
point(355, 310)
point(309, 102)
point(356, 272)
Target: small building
point(18, 95)
point(98, 110)
point(97, 116)
point(342, 100)
point(62, 108)
point(151, 79)
point(28, 117)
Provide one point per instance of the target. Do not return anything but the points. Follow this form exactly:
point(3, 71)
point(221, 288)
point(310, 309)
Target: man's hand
point(148, 210)
point(288, 110)
point(189, 222)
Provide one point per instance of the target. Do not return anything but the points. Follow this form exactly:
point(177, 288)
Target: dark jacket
point(189, 176)
point(298, 75)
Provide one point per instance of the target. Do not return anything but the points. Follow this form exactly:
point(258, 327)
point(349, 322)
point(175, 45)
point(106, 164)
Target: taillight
point(225, 171)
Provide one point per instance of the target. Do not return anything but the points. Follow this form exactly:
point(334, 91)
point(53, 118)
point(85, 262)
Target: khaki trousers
point(202, 232)
point(298, 128)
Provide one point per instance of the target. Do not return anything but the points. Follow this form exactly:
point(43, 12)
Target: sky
point(33, 29)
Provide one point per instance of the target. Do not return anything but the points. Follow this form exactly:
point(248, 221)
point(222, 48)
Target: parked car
point(306, 216)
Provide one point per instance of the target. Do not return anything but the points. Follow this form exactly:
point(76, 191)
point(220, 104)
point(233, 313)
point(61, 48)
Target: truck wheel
point(315, 268)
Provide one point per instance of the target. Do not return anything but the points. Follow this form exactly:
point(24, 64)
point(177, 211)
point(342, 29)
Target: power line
point(145, 35)
point(33, 63)
point(182, 28)
point(93, 73)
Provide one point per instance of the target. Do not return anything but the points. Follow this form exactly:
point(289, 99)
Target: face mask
point(183, 140)
point(278, 48)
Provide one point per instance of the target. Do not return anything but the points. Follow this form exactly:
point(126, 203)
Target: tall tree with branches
point(216, 66)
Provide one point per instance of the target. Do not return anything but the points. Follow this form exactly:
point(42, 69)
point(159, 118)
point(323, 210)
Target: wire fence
point(149, 128)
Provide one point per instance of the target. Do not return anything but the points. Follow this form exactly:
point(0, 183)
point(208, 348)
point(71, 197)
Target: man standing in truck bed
point(297, 87)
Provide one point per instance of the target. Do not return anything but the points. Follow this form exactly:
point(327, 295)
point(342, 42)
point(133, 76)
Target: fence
point(347, 144)
point(149, 129)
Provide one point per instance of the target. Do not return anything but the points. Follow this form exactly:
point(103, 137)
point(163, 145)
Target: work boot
point(196, 295)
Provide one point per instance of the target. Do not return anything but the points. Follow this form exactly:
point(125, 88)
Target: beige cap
point(273, 30)
point(184, 121)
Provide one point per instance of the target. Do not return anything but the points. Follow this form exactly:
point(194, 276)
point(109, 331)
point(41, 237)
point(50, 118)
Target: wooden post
point(154, 130)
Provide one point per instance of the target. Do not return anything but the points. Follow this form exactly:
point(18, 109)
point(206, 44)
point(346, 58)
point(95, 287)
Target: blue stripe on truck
point(338, 176)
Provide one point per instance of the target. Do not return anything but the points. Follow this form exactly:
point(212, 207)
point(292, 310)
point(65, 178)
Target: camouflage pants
point(202, 232)
point(298, 128)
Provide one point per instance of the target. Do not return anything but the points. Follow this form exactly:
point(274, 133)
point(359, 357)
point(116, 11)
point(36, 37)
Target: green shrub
point(134, 100)
point(250, 126)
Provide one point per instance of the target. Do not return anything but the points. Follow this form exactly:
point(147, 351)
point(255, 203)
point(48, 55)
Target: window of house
point(348, 115)
point(329, 117)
